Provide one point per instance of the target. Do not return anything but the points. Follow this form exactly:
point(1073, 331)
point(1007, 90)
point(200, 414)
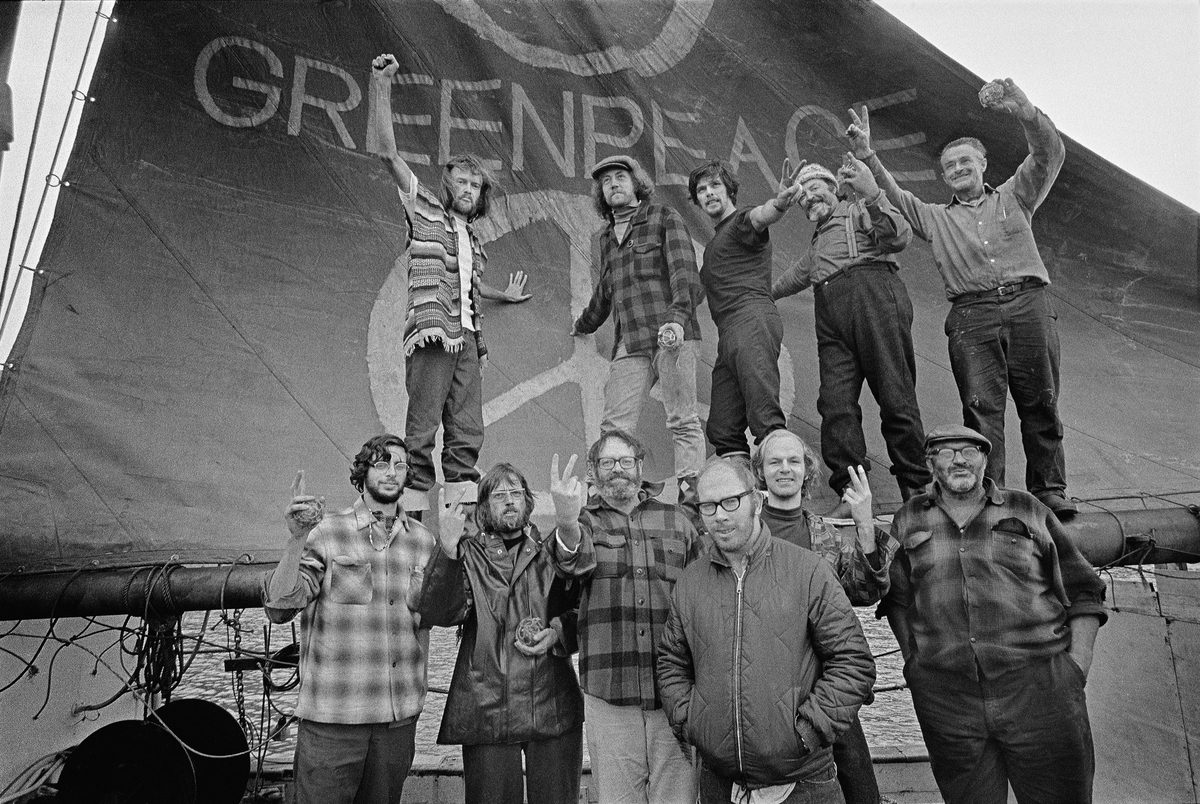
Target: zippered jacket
point(761, 673)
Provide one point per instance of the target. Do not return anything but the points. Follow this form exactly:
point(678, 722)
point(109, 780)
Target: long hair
point(472, 164)
point(489, 483)
point(812, 469)
point(713, 169)
point(643, 187)
point(376, 449)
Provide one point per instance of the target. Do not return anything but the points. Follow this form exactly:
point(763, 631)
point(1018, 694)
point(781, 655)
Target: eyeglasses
point(383, 466)
point(627, 462)
point(729, 503)
point(946, 454)
point(504, 495)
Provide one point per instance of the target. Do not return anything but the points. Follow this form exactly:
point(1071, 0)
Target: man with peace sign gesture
point(1002, 326)
point(627, 548)
point(863, 323)
point(736, 275)
point(362, 649)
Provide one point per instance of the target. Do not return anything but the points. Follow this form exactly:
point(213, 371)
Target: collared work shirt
point(362, 650)
point(629, 565)
point(995, 594)
point(853, 234)
point(864, 578)
point(987, 243)
point(436, 285)
point(647, 279)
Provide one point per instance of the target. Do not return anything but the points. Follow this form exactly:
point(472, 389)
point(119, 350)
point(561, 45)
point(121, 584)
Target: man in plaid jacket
point(649, 283)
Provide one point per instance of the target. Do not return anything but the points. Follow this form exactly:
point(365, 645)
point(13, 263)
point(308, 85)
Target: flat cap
point(956, 432)
point(618, 161)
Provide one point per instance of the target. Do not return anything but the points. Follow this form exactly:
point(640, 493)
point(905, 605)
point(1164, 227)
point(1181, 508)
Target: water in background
point(889, 720)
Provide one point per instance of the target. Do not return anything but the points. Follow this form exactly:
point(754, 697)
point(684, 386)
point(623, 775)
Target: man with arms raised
point(763, 662)
point(628, 548)
point(789, 470)
point(362, 651)
point(444, 347)
point(996, 612)
point(863, 322)
point(648, 282)
point(737, 280)
point(1002, 326)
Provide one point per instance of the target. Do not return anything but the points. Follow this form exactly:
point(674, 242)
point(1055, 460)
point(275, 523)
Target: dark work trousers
point(1029, 728)
point(444, 388)
point(864, 332)
point(745, 380)
point(823, 789)
point(1010, 343)
point(358, 763)
point(492, 773)
point(855, 771)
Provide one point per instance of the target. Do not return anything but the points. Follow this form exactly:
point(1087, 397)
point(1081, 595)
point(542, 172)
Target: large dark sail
point(219, 304)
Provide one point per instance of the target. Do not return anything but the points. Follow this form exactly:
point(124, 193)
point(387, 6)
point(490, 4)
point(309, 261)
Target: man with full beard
point(628, 548)
point(863, 322)
point(514, 694)
point(362, 650)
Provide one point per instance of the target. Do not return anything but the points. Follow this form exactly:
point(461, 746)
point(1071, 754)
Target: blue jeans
point(675, 369)
point(492, 774)
point(745, 380)
point(864, 332)
point(636, 758)
point(358, 763)
point(1010, 343)
point(1028, 728)
point(444, 389)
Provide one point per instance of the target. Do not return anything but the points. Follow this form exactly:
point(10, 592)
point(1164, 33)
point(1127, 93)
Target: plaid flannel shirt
point(629, 565)
point(646, 280)
point(362, 651)
point(864, 582)
point(996, 594)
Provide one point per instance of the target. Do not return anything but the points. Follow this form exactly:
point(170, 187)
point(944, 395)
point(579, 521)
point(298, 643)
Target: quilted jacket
point(761, 673)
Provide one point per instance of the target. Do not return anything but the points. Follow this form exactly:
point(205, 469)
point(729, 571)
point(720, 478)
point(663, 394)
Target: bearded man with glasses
point(362, 648)
point(628, 547)
point(996, 611)
point(763, 661)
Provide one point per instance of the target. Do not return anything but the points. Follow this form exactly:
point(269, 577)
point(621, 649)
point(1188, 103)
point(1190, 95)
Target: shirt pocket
point(918, 546)
point(350, 581)
point(646, 258)
point(1014, 548)
point(670, 557)
point(612, 559)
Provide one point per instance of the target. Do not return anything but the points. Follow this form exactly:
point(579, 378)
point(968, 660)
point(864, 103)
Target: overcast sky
point(1119, 76)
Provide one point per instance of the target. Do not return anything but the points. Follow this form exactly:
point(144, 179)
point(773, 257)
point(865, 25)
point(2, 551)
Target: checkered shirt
point(629, 565)
point(362, 651)
point(646, 280)
point(994, 595)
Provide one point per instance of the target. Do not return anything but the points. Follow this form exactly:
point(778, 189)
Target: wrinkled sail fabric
point(220, 304)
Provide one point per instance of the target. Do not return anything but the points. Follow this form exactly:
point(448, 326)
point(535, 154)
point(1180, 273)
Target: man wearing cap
point(648, 282)
point(1002, 328)
point(996, 613)
point(863, 322)
point(737, 281)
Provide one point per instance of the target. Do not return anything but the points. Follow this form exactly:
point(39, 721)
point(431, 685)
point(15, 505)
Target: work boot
point(908, 492)
point(689, 498)
point(1057, 502)
point(839, 511)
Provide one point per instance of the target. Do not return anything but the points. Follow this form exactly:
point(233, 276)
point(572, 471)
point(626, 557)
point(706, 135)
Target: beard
point(385, 496)
point(513, 519)
point(619, 486)
point(817, 211)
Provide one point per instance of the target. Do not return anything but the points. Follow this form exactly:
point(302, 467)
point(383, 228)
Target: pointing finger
point(554, 475)
point(298, 484)
point(570, 467)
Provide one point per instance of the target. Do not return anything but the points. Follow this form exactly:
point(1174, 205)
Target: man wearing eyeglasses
point(996, 613)
point(629, 548)
point(362, 650)
point(763, 661)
